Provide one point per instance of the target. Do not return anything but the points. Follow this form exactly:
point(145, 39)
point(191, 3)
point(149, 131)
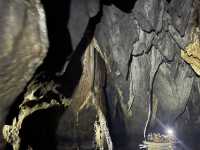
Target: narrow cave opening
point(39, 129)
point(57, 15)
point(126, 7)
point(60, 46)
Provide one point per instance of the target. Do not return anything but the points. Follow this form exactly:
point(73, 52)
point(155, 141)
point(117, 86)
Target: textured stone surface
point(179, 11)
point(79, 14)
point(144, 42)
point(136, 77)
point(87, 127)
point(93, 7)
point(82, 122)
point(155, 70)
point(171, 91)
point(78, 20)
point(149, 14)
point(192, 52)
point(23, 45)
point(112, 28)
point(165, 44)
point(140, 68)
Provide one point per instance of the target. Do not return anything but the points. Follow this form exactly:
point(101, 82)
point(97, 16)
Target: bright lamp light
point(170, 131)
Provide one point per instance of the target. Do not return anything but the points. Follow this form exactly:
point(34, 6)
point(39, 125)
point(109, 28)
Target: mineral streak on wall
point(23, 46)
point(146, 52)
point(191, 54)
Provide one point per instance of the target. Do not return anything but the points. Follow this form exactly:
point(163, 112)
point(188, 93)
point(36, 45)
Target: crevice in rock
point(57, 15)
point(60, 46)
point(168, 1)
point(65, 69)
point(128, 66)
point(125, 7)
point(73, 70)
point(150, 102)
point(184, 109)
point(38, 130)
point(54, 61)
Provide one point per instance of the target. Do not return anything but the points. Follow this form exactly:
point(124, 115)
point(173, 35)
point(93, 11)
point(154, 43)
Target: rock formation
point(98, 74)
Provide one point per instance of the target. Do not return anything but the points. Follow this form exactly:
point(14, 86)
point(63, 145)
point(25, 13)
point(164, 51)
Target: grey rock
point(141, 49)
point(23, 45)
point(160, 16)
point(188, 123)
point(78, 20)
point(143, 22)
point(156, 59)
point(79, 14)
point(139, 88)
point(148, 50)
point(194, 103)
point(69, 127)
point(166, 45)
point(144, 42)
point(180, 13)
point(172, 87)
point(129, 23)
point(181, 42)
point(113, 39)
point(93, 7)
point(149, 14)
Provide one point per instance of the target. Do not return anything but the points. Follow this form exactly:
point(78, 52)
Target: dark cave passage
point(38, 130)
point(60, 46)
point(143, 54)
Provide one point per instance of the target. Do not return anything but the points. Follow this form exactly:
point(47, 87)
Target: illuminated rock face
point(23, 46)
point(144, 57)
point(191, 54)
point(147, 51)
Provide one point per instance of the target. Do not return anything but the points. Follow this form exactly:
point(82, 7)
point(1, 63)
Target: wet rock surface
point(23, 46)
point(120, 68)
point(156, 70)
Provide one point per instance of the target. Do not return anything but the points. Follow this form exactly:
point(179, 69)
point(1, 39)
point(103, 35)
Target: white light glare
point(170, 131)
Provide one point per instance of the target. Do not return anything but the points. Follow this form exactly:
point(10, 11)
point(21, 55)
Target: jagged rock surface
point(23, 45)
point(139, 47)
point(159, 30)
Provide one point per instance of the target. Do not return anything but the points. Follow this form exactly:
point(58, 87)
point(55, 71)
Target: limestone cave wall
point(98, 74)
